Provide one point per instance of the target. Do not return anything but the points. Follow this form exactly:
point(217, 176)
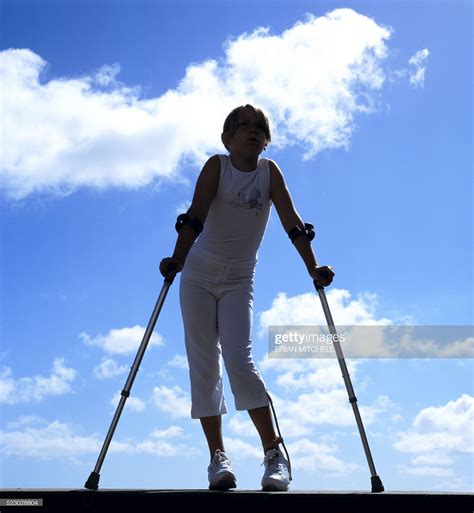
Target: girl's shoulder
point(211, 170)
point(215, 161)
point(220, 159)
point(274, 168)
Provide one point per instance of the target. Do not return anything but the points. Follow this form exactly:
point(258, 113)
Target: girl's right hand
point(323, 274)
point(176, 267)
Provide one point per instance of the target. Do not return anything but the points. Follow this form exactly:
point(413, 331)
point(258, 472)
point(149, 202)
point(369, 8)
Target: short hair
point(232, 121)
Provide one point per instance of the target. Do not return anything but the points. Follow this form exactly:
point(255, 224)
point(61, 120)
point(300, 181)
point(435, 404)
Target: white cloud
point(416, 342)
point(300, 415)
point(312, 390)
point(382, 408)
point(23, 390)
point(183, 207)
point(163, 448)
point(241, 426)
point(239, 450)
point(295, 375)
point(179, 361)
point(171, 432)
point(362, 333)
point(417, 61)
point(70, 132)
point(167, 373)
point(25, 420)
point(432, 459)
point(315, 394)
point(132, 403)
point(305, 309)
point(425, 471)
point(316, 407)
point(415, 73)
point(174, 401)
point(301, 410)
point(164, 374)
point(309, 456)
point(446, 429)
point(436, 435)
point(122, 341)
point(305, 455)
point(455, 483)
point(109, 369)
point(42, 440)
point(106, 75)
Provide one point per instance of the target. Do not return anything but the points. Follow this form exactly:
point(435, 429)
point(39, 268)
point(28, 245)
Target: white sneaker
point(277, 476)
point(220, 472)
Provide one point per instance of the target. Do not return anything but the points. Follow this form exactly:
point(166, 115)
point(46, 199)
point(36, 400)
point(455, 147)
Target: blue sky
point(110, 109)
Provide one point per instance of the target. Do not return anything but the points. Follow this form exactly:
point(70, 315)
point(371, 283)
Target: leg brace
point(278, 439)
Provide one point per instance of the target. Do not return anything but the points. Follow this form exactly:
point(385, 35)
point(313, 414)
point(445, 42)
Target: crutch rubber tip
point(93, 482)
point(377, 485)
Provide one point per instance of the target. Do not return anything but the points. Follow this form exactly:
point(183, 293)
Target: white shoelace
point(220, 458)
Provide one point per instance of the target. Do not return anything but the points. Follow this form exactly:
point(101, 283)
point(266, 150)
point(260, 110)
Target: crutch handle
point(171, 266)
point(324, 274)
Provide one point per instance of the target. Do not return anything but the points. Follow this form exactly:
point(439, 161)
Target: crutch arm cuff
point(184, 219)
point(308, 232)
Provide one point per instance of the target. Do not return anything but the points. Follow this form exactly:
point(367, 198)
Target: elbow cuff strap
point(297, 231)
point(195, 224)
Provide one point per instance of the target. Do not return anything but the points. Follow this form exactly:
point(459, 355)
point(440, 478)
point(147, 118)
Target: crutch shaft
point(93, 481)
point(377, 485)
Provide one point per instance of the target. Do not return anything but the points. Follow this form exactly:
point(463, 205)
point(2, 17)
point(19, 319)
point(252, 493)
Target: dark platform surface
point(243, 501)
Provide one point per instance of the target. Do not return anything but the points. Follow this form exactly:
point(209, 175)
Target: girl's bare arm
point(204, 192)
point(289, 217)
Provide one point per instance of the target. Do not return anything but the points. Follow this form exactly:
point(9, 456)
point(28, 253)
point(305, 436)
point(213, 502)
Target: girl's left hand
point(323, 274)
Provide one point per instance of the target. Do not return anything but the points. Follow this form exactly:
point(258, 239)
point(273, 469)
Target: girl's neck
point(244, 164)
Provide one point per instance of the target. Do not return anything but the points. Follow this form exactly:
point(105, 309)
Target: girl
point(231, 206)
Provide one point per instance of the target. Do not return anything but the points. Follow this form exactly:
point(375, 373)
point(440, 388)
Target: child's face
point(249, 139)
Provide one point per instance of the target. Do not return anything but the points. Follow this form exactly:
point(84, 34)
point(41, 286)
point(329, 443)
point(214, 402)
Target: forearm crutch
point(377, 485)
point(93, 482)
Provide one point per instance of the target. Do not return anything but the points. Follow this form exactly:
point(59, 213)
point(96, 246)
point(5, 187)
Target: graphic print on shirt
point(248, 201)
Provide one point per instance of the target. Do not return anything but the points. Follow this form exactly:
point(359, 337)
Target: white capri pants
point(217, 309)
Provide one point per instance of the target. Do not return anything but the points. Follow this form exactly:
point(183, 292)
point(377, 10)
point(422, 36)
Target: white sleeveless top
point(237, 217)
